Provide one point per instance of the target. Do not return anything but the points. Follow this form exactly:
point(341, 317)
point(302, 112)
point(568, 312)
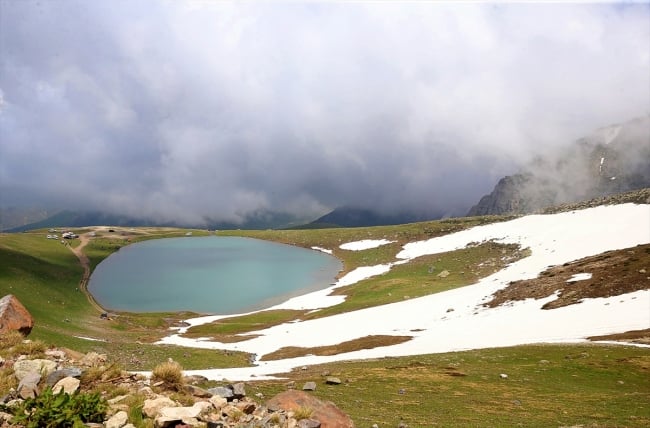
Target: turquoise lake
point(209, 275)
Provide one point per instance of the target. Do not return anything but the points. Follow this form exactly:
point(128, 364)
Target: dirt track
point(85, 264)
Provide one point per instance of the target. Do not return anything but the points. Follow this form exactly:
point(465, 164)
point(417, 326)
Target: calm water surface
point(218, 275)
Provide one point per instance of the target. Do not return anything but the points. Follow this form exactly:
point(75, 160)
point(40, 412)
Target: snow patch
point(365, 244)
point(324, 250)
point(579, 277)
point(553, 239)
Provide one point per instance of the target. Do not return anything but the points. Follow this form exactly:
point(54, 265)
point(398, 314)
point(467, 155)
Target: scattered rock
point(198, 392)
point(40, 366)
point(218, 402)
point(443, 274)
point(503, 376)
point(14, 316)
point(333, 381)
point(308, 423)
point(222, 391)
point(59, 374)
point(151, 407)
point(28, 386)
point(68, 384)
point(93, 359)
point(309, 386)
point(118, 420)
point(238, 390)
point(326, 413)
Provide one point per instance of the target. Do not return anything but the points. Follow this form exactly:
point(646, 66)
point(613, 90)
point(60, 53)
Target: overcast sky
point(178, 110)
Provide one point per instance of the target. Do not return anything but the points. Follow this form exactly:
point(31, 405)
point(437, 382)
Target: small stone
point(238, 390)
point(308, 423)
point(198, 392)
point(218, 402)
point(503, 376)
point(333, 381)
point(118, 420)
point(150, 408)
point(309, 386)
point(57, 375)
point(40, 366)
point(28, 386)
point(68, 385)
point(222, 391)
point(117, 399)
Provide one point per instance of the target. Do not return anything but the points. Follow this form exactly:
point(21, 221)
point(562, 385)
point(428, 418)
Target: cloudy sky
point(181, 110)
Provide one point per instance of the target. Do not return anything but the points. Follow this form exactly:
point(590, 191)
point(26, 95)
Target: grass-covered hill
point(546, 385)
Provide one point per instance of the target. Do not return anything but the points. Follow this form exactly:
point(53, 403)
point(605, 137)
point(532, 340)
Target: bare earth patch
point(634, 336)
point(368, 342)
point(613, 273)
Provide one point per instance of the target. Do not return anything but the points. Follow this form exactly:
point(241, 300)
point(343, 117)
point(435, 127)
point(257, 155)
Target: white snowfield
point(365, 244)
point(553, 239)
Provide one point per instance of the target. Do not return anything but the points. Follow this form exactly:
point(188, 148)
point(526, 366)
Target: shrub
point(303, 412)
point(33, 348)
point(169, 372)
point(7, 380)
point(61, 410)
point(10, 339)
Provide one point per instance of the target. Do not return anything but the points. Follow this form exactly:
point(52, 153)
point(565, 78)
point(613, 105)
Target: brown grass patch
point(368, 342)
point(634, 336)
point(614, 273)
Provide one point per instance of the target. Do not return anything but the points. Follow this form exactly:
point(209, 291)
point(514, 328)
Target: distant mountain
point(612, 160)
point(11, 217)
point(360, 217)
point(260, 219)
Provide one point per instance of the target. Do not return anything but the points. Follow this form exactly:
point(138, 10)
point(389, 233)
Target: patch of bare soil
point(634, 336)
point(368, 342)
point(613, 273)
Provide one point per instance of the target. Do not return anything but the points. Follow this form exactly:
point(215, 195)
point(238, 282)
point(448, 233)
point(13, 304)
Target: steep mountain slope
point(362, 217)
point(612, 160)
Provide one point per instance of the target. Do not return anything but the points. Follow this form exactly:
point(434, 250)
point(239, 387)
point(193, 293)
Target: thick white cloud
point(187, 109)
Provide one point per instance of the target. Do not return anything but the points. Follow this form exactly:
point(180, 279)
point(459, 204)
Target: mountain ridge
point(613, 159)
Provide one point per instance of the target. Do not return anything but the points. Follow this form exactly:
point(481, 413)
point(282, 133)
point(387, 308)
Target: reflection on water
point(217, 275)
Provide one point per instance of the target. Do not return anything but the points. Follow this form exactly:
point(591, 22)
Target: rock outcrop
point(14, 316)
point(612, 160)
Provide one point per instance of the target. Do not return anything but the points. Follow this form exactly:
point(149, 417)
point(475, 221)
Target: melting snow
point(553, 239)
point(365, 244)
point(324, 250)
point(579, 277)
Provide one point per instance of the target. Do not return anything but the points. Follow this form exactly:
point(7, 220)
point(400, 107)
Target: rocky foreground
point(67, 372)
point(63, 388)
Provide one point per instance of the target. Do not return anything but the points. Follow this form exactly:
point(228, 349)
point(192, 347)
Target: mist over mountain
point(67, 218)
point(209, 112)
point(359, 217)
point(611, 160)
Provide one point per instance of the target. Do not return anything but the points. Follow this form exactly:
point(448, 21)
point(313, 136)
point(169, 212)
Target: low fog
point(182, 111)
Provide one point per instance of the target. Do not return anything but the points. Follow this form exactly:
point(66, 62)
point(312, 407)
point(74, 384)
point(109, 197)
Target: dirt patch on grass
point(634, 336)
point(613, 273)
point(368, 342)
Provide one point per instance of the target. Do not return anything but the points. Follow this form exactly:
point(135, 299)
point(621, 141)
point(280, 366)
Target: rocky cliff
point(612, 160)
